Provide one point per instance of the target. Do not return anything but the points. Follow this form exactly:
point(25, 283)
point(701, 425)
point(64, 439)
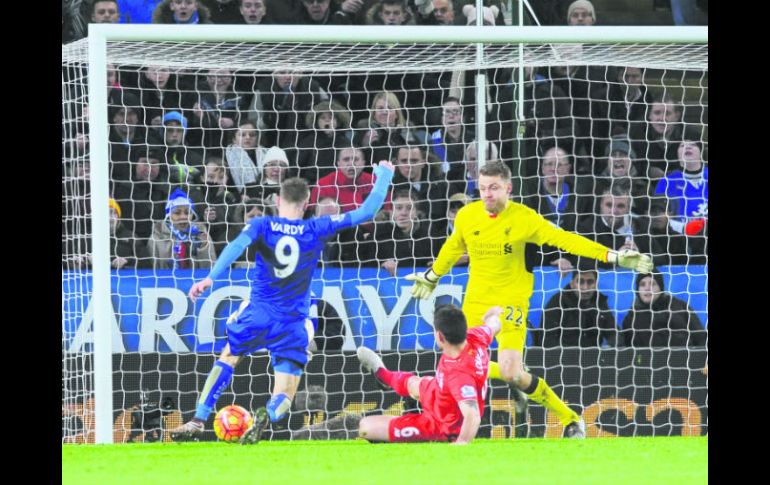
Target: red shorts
point(413, 428)
point(418, 427)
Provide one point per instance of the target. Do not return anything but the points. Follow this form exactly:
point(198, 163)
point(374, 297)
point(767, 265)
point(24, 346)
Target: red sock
point(396, 380)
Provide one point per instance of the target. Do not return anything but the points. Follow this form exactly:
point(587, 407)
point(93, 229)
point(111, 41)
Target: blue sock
point(218, 380)
point(278, 406)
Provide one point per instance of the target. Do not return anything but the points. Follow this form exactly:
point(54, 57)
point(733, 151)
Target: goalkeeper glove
point(631, 259)
point(424, 283)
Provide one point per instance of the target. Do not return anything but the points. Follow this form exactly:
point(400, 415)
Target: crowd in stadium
point(196, 153)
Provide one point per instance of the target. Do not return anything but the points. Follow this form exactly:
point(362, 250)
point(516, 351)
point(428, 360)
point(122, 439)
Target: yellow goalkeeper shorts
point(514, 320)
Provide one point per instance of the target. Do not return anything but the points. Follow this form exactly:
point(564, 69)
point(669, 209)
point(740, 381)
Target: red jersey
point(459, 379)
point(349, 194)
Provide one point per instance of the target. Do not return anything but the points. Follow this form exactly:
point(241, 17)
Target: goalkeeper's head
point(495, 186)
point(450, 325)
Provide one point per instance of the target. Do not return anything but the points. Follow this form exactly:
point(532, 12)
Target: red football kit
point(459, 379)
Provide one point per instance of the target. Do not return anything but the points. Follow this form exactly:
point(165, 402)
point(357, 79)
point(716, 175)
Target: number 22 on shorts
point(513, 314)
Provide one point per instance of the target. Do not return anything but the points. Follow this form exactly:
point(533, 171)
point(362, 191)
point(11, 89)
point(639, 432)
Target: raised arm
point(384, 174)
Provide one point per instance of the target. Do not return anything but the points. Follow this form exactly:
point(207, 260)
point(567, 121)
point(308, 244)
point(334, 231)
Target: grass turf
point(660, 460)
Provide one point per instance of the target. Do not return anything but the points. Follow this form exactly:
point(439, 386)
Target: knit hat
point(656, 275)
point(175, 116)
point(275, 153)
point(619, 143)
point(178, 198)
point(114, 204)
point(581, 4)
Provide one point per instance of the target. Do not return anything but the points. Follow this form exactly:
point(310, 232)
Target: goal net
point(605, 139)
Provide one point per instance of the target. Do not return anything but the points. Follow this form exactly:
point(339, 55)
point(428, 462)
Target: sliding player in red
point(453, 400)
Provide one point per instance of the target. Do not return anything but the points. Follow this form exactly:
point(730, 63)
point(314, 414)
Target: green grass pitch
point(595, 461)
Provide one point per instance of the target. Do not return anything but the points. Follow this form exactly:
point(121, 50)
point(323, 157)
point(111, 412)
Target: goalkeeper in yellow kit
point(494, 232)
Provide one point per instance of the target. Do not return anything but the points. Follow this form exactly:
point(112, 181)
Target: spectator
point(688, 188)
point(547, 117)
point(126, 133)
point(628, 99)
point(620, 169)
point(105, 12)
point(441, 228)
point(245, 157)
point(185, 164)
point(245, 212)
point(220, 202)
point(350, 184)
point(556, 199)
point(226, 11)
point(342, 249)
point(581, 12)
point(274, 171)
point(284, 101)
point(443, 13)
point(668, 246)
point(612, 224)
point(558, 202)
point(586, 87)
point(178, 242)
point(659, 319)
point(324, 12)
point(181, 12)
point(466, 182)
point(330, 122)
point(125, 250)
point(389, 12)
point(401, 242)
point(578, 315)
point(386, 129)
point(251, 12)
point(655, 141)
point(218, 109)
point(144, 197)
point(426, 181)
point(450, 141)
point(158, 92)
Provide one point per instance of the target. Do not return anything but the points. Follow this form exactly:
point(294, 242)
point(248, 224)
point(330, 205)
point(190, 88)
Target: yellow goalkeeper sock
point(542, 394)
point(494, 371)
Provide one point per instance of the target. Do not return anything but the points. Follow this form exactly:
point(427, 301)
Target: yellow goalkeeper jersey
point(495, 246)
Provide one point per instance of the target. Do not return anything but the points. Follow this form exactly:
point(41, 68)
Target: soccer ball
point(231, 422)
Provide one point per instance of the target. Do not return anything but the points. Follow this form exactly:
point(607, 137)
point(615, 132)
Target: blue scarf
point(558, 205)
point(182, 241)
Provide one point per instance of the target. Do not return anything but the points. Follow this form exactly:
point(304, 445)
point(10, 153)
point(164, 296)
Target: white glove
point(631, 259)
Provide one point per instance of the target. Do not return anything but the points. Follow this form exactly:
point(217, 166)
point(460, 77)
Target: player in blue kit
point(276, 316)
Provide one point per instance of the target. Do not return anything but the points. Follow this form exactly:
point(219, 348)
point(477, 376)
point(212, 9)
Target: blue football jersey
point(691, 198)
point(287, 255)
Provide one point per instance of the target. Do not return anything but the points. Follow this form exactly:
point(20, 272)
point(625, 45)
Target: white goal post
point(329, 49)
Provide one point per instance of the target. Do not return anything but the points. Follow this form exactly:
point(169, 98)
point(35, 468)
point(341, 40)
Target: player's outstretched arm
point(230, 253)
point(471, 421)
point(492, 319)
point(384, 174)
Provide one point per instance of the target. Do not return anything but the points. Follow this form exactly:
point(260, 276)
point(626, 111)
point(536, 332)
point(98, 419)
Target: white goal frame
point(100, 34)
